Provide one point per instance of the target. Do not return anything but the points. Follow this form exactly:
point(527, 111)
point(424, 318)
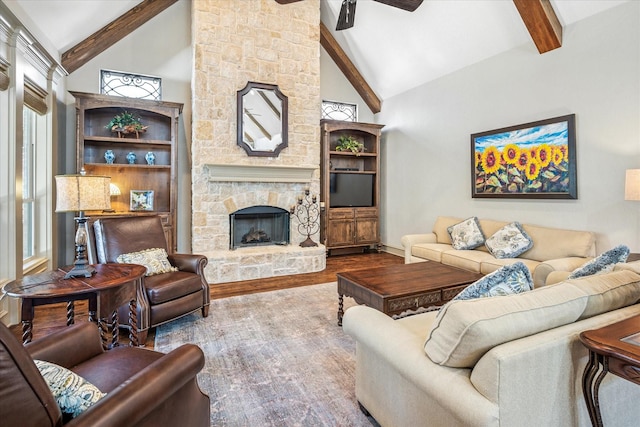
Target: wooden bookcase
point(93, 113)
point(345, 226)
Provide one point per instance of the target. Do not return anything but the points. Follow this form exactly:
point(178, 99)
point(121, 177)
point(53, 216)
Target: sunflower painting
point(533, 160)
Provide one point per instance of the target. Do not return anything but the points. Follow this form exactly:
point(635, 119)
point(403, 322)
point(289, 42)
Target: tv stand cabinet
point(345, 226)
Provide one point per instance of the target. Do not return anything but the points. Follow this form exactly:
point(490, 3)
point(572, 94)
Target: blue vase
point(150, 158)
point(109, 156)
point(131, 157)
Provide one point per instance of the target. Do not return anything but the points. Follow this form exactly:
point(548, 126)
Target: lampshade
point(632, 185)
point(82, 193)
point(114, 190)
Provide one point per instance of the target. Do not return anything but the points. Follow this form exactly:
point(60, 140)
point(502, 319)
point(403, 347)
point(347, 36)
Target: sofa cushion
point(470, 260)
point(464, 330)
point(508, 280)
point(509, 242)
point(155, 260)
point(603, 263)
point(553, 243)
point(466, 234)
point(72, 393)
point(440, 228)
point(493, 264)
point(608, 292)
point(630, 266)
point(430, 251)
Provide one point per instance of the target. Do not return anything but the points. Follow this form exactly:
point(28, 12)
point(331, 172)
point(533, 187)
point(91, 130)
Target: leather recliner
point(162, 297)
point(143, 387)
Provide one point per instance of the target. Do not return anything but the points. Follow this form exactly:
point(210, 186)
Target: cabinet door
point(340, 232)
point(366, 230)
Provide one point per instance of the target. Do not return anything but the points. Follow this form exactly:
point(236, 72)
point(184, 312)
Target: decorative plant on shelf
point(349, 143)
point(126, 123)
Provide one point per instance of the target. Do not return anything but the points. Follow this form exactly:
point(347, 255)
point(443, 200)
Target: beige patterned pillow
point(155, 260)
point(73, 393)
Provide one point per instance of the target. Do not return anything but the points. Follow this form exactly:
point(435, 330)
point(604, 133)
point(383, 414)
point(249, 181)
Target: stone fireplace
point(234, 43)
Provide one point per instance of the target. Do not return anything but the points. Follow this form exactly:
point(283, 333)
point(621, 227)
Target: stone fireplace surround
point(239, 186)
point(261, 41)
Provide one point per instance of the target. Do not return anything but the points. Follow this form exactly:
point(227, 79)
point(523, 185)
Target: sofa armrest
point(397, 350)
point(68, 347)
point(190, 263)
point(408, 240)
point(557, 277)
point(138, 397)
point(543, 269)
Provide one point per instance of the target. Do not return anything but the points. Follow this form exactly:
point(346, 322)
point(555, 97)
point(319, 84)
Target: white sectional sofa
point(509, 361)
point(553, 249)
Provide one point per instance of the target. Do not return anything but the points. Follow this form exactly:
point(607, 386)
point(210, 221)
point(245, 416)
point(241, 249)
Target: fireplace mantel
point(251, 173)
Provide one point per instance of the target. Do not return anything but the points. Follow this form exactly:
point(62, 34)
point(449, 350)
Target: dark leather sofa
point(144, 387)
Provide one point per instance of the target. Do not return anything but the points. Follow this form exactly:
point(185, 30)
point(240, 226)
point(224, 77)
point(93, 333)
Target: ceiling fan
point(347, 15)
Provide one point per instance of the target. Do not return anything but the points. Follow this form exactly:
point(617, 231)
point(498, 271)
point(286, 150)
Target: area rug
point(274, 359)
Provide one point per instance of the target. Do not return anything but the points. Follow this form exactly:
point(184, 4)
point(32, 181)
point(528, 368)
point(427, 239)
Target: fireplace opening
point(258, 226)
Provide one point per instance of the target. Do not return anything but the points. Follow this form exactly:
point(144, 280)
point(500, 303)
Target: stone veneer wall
point(236, 42)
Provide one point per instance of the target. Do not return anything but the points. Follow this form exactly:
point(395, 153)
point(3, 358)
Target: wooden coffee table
point(397, 288)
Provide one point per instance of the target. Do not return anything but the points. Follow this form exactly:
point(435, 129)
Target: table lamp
point(79, 193)
point(632, 185)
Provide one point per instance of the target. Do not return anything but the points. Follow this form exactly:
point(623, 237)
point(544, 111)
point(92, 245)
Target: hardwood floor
point(52, 317)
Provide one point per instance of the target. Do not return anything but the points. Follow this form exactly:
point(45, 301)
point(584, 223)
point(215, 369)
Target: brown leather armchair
point(162, 297)
point(144, 387)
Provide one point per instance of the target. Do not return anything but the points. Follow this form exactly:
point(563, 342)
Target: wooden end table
point(397, 288)
point(110, 287)
point(614, 348)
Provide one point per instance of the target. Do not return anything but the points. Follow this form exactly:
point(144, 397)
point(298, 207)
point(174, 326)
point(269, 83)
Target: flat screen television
point(350, 190)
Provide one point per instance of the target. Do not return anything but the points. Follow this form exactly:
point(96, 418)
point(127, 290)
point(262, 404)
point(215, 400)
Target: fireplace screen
point(259, 226)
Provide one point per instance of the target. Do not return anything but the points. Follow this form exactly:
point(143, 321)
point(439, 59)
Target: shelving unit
point(93, 113)
point(351, 219)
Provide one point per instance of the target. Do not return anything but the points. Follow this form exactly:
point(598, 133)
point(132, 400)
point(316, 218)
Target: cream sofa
point(533, 379)
point(553, 249)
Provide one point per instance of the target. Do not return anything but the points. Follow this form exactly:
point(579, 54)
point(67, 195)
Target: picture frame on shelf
point(141, 200)
point(535, 160)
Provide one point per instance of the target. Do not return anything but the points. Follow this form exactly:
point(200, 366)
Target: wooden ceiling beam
point(111, 33)
point(542, 23)
point(329, 43)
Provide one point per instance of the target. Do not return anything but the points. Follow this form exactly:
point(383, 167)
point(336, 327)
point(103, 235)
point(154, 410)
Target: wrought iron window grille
point(130, 85)
point(334, 110)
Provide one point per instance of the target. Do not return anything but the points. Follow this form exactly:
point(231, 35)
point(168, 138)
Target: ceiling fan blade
point(347, 15)
point(408, 5)
point(286, 1)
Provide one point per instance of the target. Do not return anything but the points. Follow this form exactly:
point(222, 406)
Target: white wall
point(595, 74)
point(335, 87)
point(161, 47)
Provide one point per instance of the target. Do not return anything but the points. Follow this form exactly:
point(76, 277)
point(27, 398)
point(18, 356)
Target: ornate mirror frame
point(270, 108)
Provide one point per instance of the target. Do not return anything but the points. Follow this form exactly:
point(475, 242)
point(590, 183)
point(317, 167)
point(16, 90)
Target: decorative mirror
point(262, 119)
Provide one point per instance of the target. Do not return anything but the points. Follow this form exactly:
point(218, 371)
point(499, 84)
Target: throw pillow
point(465, 330)
point(507, 280)
point(603, 263)
point(73, 393)
point(155, 260)
point(466, 234)
point(509, 242)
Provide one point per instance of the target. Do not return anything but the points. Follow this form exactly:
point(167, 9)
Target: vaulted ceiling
point(388, 51)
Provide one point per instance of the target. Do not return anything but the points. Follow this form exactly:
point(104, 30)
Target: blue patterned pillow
point(73, 393)
point(466, 234)
point(509, 242)
point(603, 263)
point(510, 279)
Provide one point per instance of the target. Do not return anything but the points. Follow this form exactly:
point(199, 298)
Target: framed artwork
point(530, 161)
point(141, 200)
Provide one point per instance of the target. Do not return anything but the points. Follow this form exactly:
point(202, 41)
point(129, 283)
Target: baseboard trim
point(393, 250)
